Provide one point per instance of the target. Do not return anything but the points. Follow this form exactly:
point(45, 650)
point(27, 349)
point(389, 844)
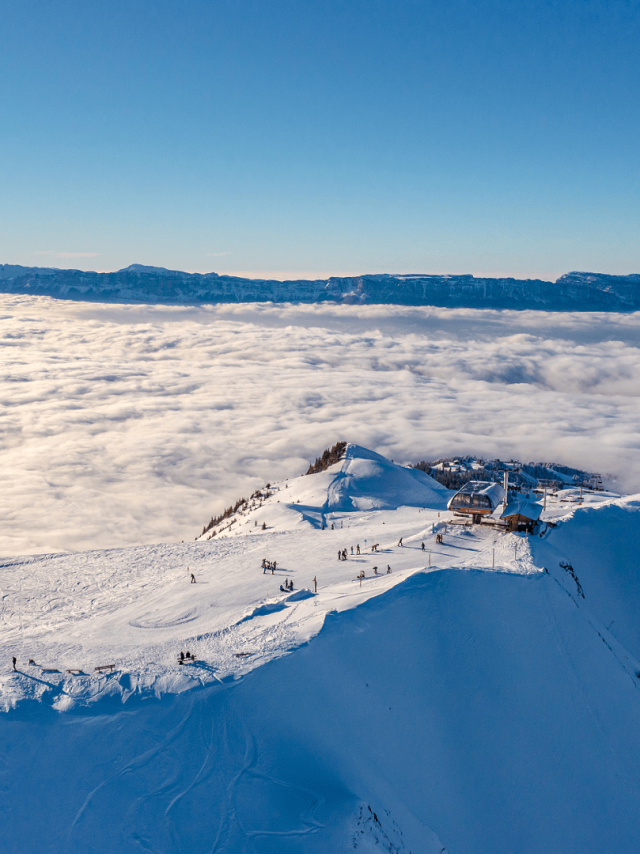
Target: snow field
point(483, 698)
point(471, 712)
point(136, 608)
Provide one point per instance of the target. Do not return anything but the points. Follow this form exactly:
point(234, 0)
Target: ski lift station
point(477, 498)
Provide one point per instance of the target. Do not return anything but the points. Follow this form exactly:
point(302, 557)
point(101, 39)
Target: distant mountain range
point(137, 283)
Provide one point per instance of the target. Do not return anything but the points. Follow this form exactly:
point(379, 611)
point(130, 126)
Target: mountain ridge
point(137, 283)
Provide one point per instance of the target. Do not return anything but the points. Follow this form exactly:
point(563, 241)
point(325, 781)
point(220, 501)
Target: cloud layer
point(133, 424)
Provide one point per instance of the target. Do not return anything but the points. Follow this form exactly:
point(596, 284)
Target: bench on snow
point(75, 671)
point(105, 667)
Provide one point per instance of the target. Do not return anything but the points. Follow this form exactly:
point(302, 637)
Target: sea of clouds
point(125, 424)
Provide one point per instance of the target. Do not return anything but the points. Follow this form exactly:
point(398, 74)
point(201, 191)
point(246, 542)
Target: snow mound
point(264, 610)
point(368, 481)
point(361, 481)
point(299, 596)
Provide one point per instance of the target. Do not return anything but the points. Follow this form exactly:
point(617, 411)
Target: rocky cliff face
point(571, 292)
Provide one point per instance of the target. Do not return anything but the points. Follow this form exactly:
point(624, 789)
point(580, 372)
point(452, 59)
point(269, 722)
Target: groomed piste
point(481, 696)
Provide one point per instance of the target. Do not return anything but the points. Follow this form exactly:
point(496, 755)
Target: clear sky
point(324, 136)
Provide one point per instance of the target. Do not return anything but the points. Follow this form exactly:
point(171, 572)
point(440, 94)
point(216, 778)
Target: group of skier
point(342, 554)
point(269, 564)
point(287, 587)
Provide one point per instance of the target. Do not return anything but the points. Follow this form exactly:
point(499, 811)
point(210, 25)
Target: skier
point(400, 541)
point(351, 549)
point(181, 658)
point(14, 663)
point(358, 549)
point(315, 584)
point(339, 555)
point(423, 547)
point(388, 570)
point(332, 526)
point(193, 578)
point(344, 554)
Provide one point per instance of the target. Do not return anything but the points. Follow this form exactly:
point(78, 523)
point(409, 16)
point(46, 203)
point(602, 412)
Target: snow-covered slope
point(368, 481)
point(600, 546)
point(482, 698)
point(362, 480)
point(467, 712)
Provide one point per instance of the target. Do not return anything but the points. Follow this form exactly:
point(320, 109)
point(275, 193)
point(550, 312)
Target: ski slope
point(482, 697)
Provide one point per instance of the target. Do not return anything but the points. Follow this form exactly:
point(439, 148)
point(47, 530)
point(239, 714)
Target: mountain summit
point(360, 480)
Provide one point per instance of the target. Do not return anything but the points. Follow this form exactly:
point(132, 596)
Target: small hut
point(521, 515)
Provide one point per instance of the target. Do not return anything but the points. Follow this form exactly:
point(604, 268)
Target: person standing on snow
point(400, 541)
point(14, 663)
point(423, 547)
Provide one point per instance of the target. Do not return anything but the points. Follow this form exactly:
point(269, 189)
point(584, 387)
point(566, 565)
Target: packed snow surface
point(483, 697)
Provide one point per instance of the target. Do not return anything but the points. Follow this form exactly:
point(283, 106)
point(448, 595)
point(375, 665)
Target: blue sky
point(321, 137)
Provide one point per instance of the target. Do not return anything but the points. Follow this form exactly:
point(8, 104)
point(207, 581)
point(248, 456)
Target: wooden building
point(521, 515)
